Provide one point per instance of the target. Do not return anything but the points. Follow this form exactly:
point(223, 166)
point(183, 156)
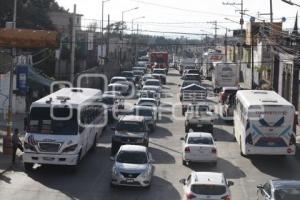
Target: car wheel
point(241, 152)
point(187, 128)
point(94, 144)
point(28, 167)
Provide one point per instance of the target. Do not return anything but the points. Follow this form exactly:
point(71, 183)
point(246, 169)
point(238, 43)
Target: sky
point(191, 17)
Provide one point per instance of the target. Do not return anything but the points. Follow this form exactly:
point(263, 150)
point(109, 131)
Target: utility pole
point(73, 44)
point(7, 150)
point(225, 43)
point(215, 23)
point(102, 32)
point(108, 35)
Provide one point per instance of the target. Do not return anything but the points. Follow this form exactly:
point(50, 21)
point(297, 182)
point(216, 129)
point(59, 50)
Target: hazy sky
point(188, 16)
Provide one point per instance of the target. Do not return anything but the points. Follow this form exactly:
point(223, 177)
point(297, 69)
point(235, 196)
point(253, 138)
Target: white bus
point(63, 126)
point(264, 123)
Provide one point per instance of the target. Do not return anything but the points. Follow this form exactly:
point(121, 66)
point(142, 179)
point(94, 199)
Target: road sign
point(28, 38)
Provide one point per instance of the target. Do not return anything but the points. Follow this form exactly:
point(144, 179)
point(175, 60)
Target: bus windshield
point(40, 121)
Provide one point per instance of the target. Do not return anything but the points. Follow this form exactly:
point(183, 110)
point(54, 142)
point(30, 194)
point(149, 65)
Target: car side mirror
point(182, 138)
point(182, 181)
point(179, 85)
point(230, 183)
point(260, 187)
point(113, 128)
point(112, 158)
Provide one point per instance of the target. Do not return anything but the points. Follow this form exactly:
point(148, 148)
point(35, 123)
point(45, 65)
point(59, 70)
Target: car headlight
point(115, 171)
point(70, 148)
point(29, 147)
point(147, 172)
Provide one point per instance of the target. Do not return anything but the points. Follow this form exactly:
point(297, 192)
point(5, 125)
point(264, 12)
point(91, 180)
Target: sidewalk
point(5, 160)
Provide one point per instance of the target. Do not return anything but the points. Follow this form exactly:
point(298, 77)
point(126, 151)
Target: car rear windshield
point(142, 112)
point(130, 126)
point(287, 194)
point(132, 157)
point(200, 140)
point(208, 189)
point(127, 74)
point(230, 91)
point(159, 72)
point(156, 83)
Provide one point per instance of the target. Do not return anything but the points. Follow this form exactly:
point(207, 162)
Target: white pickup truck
point(199, 117)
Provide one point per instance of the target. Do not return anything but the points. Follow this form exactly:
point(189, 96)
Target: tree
point(30, 13)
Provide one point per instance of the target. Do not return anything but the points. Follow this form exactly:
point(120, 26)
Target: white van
point(63, 127)
point(225, 75)
point(264, 123)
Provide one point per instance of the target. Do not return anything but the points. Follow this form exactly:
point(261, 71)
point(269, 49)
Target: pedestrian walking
point(17, 144)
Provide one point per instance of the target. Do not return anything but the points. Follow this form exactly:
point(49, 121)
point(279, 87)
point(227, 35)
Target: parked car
point(148, 114)
point(132, 166)
point(130, 129)
point(206, 185)
point(199, 147)
point(225, 92)
point(279, 190)
point(161, 73)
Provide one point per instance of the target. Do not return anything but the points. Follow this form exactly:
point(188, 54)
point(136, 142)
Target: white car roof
point(146, 99)
point(119, 77)
point(199, 134)
point(151, 87)
point(229, 88)
point(208, 178)
point(133, 148)
point(153, 79)
point(117, 85)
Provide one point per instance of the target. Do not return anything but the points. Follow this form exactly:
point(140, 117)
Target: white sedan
point(199, 147)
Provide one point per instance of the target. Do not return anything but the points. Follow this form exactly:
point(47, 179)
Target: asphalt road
point(92, 181)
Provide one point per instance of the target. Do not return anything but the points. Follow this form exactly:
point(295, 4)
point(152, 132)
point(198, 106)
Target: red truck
point(160, 60)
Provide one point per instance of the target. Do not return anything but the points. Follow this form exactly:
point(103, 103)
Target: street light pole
point(122, 30)
point(7, 139)
point(102, 31)
point(133, 21)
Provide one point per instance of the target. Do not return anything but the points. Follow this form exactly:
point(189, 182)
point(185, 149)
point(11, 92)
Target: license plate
point(129, 180)
point(48, 158)
point(271, 143)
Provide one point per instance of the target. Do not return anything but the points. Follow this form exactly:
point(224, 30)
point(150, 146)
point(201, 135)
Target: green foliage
point(30, 13)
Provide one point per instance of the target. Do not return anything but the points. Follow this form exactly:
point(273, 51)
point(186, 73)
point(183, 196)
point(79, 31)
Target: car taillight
point(226, 197)
point(292, 140)
point(187, 149)
point(214, 150)
point(190, 196)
